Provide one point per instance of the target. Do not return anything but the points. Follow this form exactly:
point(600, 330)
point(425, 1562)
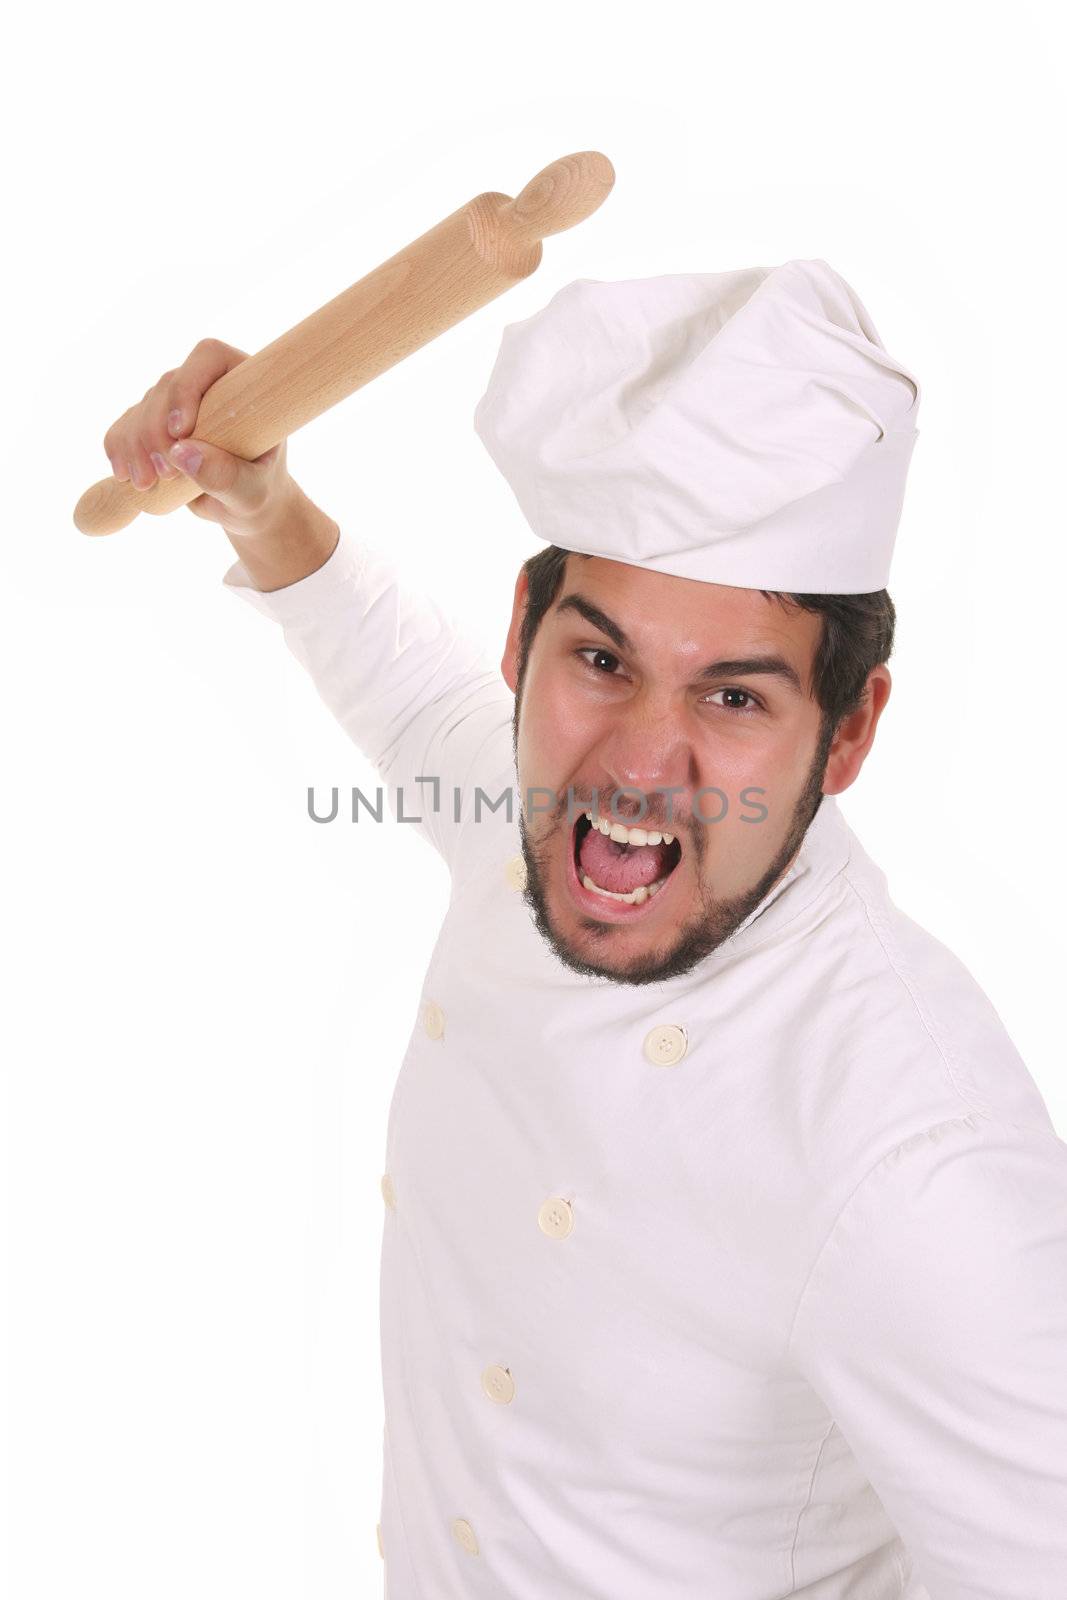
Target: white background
point(207, 993)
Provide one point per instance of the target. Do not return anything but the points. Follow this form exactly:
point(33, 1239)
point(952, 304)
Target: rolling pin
point(460, 265)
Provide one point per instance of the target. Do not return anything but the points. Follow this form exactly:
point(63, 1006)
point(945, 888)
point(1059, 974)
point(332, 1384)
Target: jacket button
point(388, 1191)
point(665, 1045)
point(464, 1534)
point(515, 873)
point(433, 1019)
point(556, 1218)
point(498, 1384)
point(381, 1547)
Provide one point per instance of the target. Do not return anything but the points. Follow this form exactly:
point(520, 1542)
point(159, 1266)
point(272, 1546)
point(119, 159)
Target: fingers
point(138, 470)
point(233, 489)
point(137, 443)
point(174, 413)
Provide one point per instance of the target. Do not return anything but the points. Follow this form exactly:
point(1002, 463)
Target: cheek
point(765, 769)
point(556, 725)
point(761, 750)
point(732, 762)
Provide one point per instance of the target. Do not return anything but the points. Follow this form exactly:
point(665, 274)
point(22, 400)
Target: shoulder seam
point(909, 988)
point(944, 1122)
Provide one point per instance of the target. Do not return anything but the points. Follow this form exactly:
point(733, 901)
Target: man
point(725, 1231)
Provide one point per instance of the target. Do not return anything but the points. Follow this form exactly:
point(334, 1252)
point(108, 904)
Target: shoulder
point(945, 1021)
point(952, 1244)
point(881, 1033)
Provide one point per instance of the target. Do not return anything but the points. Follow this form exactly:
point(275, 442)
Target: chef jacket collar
point(824, 852)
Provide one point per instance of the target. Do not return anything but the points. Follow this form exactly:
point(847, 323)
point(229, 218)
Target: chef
point(725, 1230)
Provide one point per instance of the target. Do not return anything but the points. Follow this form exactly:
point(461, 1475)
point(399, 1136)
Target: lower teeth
point(644, 891)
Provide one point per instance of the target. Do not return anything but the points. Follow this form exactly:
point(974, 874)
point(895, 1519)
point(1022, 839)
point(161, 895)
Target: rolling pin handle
point(561, 195)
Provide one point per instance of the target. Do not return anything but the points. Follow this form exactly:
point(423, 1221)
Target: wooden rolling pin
point(460, 265)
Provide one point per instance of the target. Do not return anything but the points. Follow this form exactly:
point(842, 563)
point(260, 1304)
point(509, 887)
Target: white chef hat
point(744, 427)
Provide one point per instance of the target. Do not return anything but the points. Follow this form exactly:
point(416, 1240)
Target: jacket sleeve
point(934, 1327)
point(416, 697)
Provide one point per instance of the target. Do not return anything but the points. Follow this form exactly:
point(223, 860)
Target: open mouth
point(619, 865)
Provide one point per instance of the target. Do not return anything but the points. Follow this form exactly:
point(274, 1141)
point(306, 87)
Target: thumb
point(229, 478)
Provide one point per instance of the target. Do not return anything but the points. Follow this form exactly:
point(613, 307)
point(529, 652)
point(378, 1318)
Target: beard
point(715, 919)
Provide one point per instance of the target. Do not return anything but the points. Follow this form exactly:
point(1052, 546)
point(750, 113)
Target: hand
point(242, 496)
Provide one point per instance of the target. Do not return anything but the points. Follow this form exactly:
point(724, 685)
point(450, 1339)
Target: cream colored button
point(665, 1045)
point(463, 1531)
point(498, 1384)
point(433, 1019)
point(389, 1191)
point(381, 1547)
point(556, 1218)
point(515, 872)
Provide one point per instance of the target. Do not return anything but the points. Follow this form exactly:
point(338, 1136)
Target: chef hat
point(744, 427)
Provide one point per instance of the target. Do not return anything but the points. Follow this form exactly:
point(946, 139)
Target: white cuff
point(309, 595)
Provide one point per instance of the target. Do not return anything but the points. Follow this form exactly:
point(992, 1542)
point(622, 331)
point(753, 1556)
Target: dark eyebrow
point(745, 667)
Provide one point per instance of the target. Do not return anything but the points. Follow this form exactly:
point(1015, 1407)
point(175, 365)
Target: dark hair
point(857, 633)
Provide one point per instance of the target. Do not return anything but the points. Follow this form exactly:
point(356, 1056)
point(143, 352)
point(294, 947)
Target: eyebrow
point(740, 667)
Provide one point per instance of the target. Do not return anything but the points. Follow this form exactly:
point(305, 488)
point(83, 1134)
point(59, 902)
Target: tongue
point(621, 867)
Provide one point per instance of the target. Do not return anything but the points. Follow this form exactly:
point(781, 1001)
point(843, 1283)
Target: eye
point(601, 656)
point(739, 711)
point(598, 650)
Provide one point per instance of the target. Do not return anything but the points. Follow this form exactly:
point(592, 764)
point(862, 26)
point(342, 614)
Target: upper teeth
point(621, 835)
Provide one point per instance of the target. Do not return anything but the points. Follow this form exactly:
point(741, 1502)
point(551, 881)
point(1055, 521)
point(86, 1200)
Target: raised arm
point(417, 698)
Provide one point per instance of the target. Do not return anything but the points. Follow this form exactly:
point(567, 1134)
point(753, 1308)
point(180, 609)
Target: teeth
point(636, 897)
point(624, 835)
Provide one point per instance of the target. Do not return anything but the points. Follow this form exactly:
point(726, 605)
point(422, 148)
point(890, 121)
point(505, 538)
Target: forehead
point(684, 615)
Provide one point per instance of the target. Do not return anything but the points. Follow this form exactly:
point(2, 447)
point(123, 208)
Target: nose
point(648, 748)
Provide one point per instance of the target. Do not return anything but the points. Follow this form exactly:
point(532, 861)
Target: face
point(683, 709)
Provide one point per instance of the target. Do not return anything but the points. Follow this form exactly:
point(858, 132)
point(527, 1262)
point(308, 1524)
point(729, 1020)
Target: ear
point(509, 664)
point(854, 737)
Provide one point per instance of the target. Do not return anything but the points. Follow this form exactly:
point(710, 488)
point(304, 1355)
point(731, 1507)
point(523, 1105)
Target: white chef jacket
point(746, 1284)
